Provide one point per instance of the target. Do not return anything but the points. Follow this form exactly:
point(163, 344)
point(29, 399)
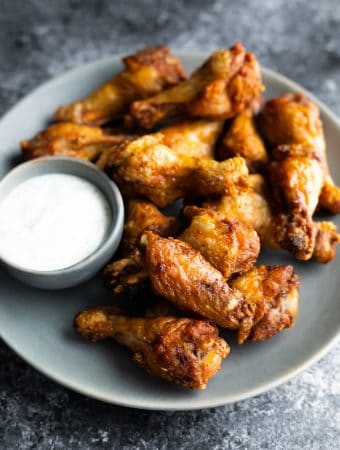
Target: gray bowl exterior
point(87, 268)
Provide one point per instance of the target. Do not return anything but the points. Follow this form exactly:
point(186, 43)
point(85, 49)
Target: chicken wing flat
point(128, 273)
point(275, 292)
point(223, 86)
point(252, 206)
point(266, 300)
point(228, 245)
point(70, 139)
point(293, 119)
point(147, 167)
point(243, 139)
point(146, 73)
point(184, 351)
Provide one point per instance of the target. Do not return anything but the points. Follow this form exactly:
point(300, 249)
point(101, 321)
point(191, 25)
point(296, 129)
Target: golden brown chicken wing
point(222, 87)
point(128, 273)
point(187, 352)
point(228, 245)
point(252, 206)
point(265, 303)
point(275, 292)
point(145, 73)
point(243, 139)
point(70, 139)
point(293, 119)
point(180, 274)
point(147, 167)
point(297, 178)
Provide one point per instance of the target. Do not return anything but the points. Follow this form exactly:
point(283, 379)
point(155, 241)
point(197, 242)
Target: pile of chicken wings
point(246, 173)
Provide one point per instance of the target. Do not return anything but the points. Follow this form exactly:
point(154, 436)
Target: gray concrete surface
point(40, 39)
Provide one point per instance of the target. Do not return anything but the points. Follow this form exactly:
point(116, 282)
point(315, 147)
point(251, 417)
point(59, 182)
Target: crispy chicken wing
point(265, 303)
point(194, 138)
point(70, 139)
point(228, 245)
point(146, 73)
point(275, 292)
point(184, 351)
point(129, 272)
point(147, 167)
point(243, 139)
point(222, 87)
point(252, 206)
point(297, 178)
point(293, 120)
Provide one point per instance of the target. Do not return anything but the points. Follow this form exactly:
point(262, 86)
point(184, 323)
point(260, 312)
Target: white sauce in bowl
point(52, 221)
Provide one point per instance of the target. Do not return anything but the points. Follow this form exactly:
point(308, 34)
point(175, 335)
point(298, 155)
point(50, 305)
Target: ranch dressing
point(52, 221)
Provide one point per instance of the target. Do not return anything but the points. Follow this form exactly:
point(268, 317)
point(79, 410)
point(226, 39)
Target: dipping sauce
point(52, 221)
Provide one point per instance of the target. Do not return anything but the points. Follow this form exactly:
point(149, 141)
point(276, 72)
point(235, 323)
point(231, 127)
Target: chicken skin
point(252, 207)
point(147, 167)
point(184, 277)
point(221, 88)
point(146, 73)
point(184, 351)
point(228, 245)
point(243, 139)
point(127, 273)
point(70, 139)
point(300, 176)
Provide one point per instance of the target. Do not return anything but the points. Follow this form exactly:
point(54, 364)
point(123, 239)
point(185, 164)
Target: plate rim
point(170, 405)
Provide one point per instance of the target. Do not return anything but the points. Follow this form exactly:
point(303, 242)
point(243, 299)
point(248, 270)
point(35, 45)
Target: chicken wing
point(297, 178)
point(252, 206)
point(146, 73)
point(128, 273)
point(228, 245)
point(70, 139)
point(275, 292)
point(184, 351)
point(147, 167)
point(243, 139)
point(293, 121)
point(222, 87)
point(266, 300)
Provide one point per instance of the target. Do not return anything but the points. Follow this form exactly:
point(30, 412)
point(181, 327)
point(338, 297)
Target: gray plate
point(38, 324)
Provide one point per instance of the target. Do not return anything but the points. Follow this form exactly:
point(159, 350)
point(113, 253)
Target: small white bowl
point(86, 268)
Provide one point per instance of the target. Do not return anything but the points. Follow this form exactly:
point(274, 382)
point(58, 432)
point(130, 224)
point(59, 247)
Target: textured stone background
point(40, 39)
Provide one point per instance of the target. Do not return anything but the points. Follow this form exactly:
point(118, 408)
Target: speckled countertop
point(40, 39)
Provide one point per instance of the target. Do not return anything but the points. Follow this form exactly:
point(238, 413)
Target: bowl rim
point(114, 229)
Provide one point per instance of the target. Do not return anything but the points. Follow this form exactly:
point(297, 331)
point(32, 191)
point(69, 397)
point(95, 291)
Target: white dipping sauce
point(52, 221)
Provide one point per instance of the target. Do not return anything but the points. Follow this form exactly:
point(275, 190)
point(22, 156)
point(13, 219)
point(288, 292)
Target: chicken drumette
point(127, 273)
point(146, 73)
point(299, 171)
point(223, 86)
point(253, 207)
point(184, 351)
point(70, 139)
point(184, 277)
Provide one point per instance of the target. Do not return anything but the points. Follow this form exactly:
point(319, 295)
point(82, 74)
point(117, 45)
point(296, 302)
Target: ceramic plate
point(37, 324)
